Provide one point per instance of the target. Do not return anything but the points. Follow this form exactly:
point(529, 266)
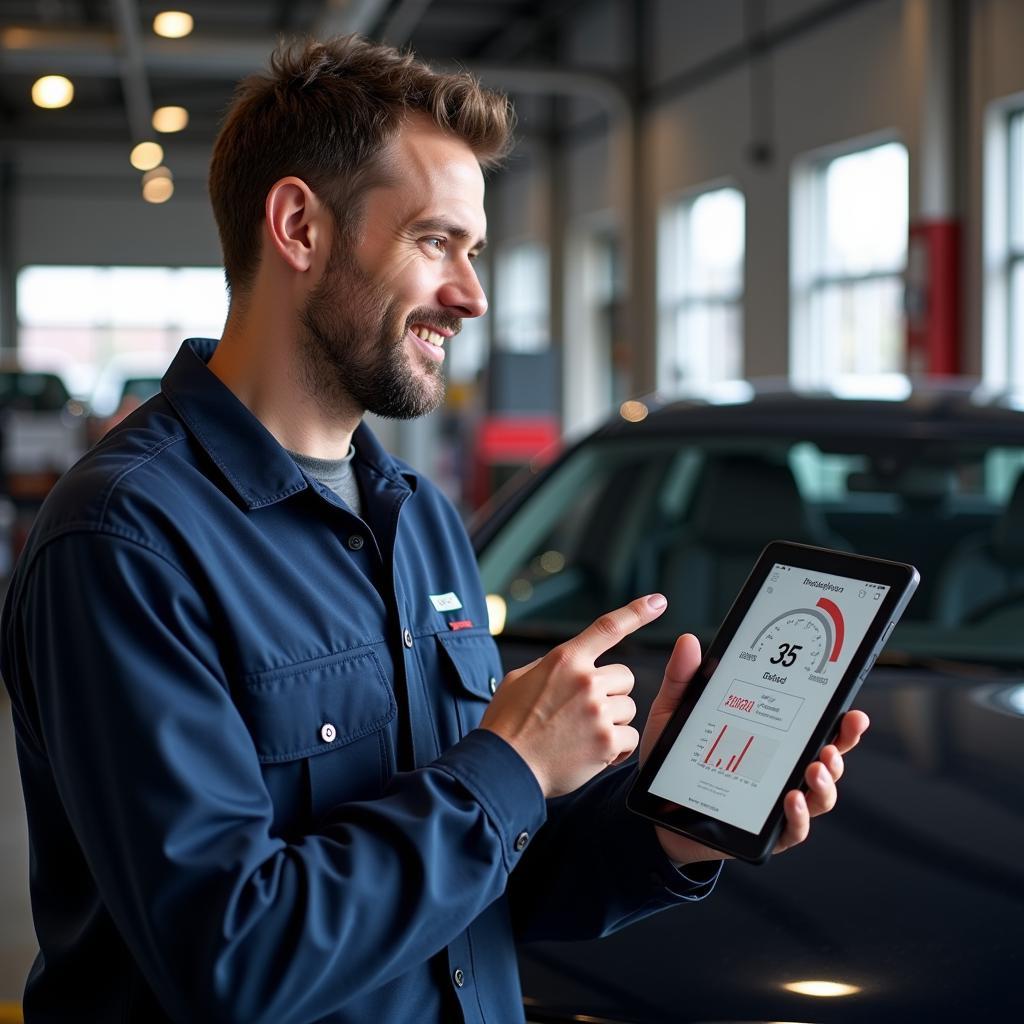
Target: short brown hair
point(324, 112)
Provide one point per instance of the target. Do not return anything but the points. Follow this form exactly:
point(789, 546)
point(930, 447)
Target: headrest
point(743, 501)
point(1008, 533)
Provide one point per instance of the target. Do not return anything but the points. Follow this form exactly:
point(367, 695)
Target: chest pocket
point(320, 730)
point(474, 671)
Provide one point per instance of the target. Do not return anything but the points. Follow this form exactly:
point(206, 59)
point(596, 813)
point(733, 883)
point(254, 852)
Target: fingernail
point(657, 602)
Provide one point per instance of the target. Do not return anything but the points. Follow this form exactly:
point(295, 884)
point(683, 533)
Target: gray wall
point(851, 72)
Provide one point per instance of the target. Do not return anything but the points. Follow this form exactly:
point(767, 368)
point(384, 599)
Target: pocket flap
point(316, 706)
point(476, 660)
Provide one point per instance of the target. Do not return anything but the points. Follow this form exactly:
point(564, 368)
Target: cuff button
point(521, 840)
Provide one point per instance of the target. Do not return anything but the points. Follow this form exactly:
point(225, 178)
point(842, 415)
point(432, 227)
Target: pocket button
point(328, 732)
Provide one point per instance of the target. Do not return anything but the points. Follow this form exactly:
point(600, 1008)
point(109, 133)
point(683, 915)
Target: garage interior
point(854, 169)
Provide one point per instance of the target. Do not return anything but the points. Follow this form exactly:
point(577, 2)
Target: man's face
point(390, 297)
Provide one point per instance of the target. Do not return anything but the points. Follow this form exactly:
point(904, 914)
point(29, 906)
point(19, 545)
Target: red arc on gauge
point(833, 612)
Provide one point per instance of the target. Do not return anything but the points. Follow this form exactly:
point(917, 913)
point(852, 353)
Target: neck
point(259, 360)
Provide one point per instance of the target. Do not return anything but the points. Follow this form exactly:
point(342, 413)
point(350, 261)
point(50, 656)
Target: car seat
point(741, 502)
point(987, 571)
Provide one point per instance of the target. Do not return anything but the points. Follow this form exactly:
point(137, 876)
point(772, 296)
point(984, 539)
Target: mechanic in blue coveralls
point(269, 771)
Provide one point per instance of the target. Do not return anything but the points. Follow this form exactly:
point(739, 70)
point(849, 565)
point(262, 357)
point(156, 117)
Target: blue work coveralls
point(248, 741)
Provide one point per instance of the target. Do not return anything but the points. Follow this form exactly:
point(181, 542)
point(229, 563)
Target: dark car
point(42, 433)
point(907, 903)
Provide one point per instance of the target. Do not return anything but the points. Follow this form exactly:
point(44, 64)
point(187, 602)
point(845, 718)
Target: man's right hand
point(567, 719)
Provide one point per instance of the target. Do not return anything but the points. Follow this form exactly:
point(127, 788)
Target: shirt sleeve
point(596, 867)
point(161, 784)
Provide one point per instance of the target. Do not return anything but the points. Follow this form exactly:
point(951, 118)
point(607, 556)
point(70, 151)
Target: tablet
point(786, 664)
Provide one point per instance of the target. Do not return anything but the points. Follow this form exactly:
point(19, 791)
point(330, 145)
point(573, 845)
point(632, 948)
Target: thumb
point(681, 666)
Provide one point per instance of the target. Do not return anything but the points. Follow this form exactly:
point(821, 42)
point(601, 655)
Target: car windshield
point(32, 392)
point(688, 517)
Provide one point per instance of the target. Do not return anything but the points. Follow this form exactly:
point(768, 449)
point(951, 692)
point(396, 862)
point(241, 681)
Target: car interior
point(689, 521)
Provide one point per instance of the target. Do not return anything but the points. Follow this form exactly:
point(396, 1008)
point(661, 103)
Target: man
point(264, 774)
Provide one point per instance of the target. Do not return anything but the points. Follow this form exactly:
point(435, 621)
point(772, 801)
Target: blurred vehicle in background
point(906, 902)
point(124, 383)
point(42, 433)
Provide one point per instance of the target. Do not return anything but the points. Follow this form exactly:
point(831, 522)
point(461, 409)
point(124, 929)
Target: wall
point(850, 70)
point(839, 72)
point(91, 213)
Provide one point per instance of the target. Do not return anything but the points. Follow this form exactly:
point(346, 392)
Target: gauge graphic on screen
point(808, 637)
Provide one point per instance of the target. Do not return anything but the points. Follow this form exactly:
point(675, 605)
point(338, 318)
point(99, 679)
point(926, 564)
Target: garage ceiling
point(121, 70)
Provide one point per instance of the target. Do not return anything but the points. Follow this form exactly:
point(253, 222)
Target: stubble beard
point(353, 351)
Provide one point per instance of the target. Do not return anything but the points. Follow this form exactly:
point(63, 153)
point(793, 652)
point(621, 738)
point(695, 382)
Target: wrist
point(530, 761)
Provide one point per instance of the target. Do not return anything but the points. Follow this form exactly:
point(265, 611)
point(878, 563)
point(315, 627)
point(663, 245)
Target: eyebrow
point(448, 227)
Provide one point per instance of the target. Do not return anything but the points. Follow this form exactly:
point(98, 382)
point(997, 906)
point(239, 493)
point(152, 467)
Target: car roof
point(953, 409)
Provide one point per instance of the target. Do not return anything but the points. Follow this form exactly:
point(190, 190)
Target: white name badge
point(445, 602)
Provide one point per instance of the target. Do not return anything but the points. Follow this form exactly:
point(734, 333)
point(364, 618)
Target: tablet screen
point(738, 747)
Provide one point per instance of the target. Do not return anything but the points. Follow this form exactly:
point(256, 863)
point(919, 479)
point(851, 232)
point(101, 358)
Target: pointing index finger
point(612, 627)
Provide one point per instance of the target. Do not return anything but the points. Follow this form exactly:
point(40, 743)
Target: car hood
point(911, 890)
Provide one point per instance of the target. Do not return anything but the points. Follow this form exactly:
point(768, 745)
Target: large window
point(521, 298)
point(849, 253)
point(700, 286)
point(1003, 245)
point(1015, 250)
point(76, 320)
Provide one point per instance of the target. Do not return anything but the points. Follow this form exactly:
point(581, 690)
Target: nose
point(461, 292)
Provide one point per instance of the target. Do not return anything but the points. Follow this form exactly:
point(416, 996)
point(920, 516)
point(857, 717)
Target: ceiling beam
point(509, 41)
point(339, 17)
point(403, 21)
point(137, 97)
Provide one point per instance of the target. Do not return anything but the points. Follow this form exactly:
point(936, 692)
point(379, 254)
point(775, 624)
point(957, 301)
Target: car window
point(574, 541)
point(32, 392)
point(688, 517)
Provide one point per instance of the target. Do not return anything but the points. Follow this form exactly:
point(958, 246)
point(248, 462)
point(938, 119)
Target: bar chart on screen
point(734, 751)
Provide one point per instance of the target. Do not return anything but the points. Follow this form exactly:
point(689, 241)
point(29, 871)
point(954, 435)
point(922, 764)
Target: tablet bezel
point(901, 579)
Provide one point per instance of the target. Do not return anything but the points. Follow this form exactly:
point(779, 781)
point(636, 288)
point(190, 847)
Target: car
point(42, 433)
point(125, 382)
point(906, 902)
point(43, 426)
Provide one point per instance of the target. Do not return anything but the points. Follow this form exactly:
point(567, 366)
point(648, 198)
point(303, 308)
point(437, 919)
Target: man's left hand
point(821, 776)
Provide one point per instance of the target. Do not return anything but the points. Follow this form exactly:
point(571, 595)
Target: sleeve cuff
point(504, 785)
point(672, 884)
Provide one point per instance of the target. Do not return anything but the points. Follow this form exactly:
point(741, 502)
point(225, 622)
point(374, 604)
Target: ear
point(296, 224)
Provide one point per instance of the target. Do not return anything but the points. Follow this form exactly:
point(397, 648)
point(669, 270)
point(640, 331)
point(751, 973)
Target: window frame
point(1014, 257)
point(808, 362)
point(673, 298)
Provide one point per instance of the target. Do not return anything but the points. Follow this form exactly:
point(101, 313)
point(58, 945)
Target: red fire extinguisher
point(932, 298)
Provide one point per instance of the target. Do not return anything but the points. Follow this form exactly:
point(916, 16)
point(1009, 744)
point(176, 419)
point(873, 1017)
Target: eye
point(436, 243)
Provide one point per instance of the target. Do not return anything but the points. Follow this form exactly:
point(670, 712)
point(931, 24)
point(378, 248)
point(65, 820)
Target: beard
point(353, 350)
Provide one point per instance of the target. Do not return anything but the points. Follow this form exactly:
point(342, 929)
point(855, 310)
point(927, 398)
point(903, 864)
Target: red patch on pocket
point(461, 624)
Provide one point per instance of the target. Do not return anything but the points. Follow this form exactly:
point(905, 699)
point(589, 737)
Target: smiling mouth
point(426, 334)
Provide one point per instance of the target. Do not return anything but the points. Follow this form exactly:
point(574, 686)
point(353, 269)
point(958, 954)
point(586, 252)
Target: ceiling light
point(821, 989)
point(52, 91)
point(170, 119)
point(172, 24)
point(147, 155)
point(157, 185)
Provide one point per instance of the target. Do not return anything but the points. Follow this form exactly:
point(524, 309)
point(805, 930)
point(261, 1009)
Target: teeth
point(425, 334)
